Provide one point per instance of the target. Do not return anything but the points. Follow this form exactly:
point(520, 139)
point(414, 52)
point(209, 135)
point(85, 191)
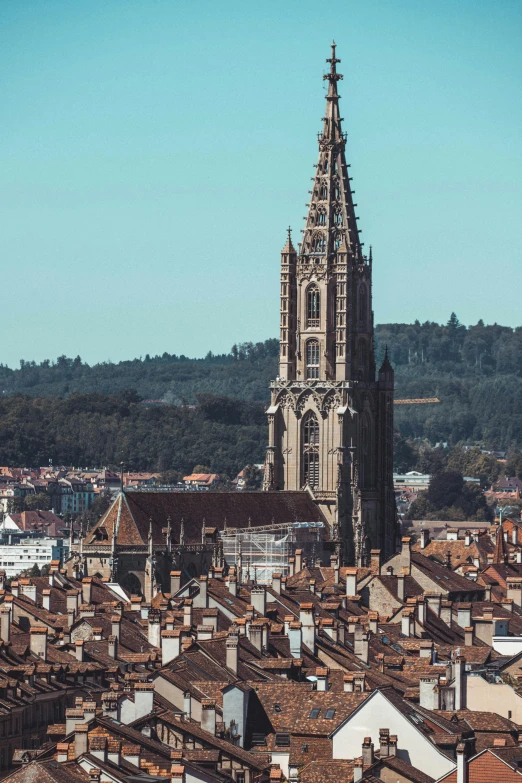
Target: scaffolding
point(261, 551)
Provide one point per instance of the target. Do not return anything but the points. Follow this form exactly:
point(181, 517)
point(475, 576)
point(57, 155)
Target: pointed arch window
point(337, 192)
point(362, 358)
point(338, 240)
point(312, 359)
point(313, 307)
point(323, 192)
point(321, 218)
point(338, 218)
point(310, 450)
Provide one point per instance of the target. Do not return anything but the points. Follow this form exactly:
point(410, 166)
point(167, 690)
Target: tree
point(252, 477)
point(38, 502)
point(444, 488)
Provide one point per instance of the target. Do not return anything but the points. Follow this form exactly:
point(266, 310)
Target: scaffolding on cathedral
point(259, 552)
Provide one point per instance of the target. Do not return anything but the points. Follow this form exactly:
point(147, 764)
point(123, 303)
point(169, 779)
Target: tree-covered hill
point(83, 414)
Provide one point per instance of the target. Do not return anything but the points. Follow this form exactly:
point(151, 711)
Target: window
point(311, 450)
point(315, 713)
point(258, 739)
point(338, 218)
point(323, 193)
point(312, 359)
point(312, 307)
point(329, 713)
point(277, 708)
point(304, 748)
point(321, 219)
point(283, 739)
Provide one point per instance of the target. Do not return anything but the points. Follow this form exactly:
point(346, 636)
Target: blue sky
point(153, 153)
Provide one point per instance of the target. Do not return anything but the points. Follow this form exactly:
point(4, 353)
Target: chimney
point(373, 621)
point(459, 668)
point(518, 556)
point(5, 625)
point(112, 646)
point(295, 638)
point(79, 650)
point(232, 586)
point(210, 618)
point(232, 652)
point(298, 560)
point(256, 634)
point(400, 587)
point(177, 773)
point(426, 649)
point(462, 765)
point(487, 592)
point(375, 561)
point(81, 734)
point(258, 599)
point(131, 753)
point(46, 600)
point(334, 562)
point(175, 582)
point(468, 636)
point(514, 589)
point(348, 683)
point(393, 745)
point(94, 775)
point(98, 747)
point(73, 600)
point(28, 589)
point(170, 645)
point(384, 743)
point(367, 752)
point(361, 644)
point(467, 538)
point(405, 622)
point(187, 705)
point(204, 632)
point(187, 611)
point(276, 583)
point(143, 699)
point(322, 678)
point(208, 715)
point(62, 752)
point(154, 629)
point(291, 566)
point(429, 692)
point(351, 582)
point(311, 586)
point(306, 619)
point(144, 611)
point(115, 625)
point(38, 641)
point(445, 612)
point(86, 590)
point(15, 589)
point(405, 557)
point(357, 770)
point(201, 598)
point(424, 538)
point(464, 615)
point(421, 610)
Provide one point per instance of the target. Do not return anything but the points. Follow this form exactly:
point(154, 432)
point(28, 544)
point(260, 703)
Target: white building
point(15, 558)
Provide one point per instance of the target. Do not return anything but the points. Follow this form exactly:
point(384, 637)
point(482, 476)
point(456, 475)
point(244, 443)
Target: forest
point(172, 412)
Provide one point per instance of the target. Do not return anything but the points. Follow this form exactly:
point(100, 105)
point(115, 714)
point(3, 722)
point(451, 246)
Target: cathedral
point(331, 415)
point(328, 483)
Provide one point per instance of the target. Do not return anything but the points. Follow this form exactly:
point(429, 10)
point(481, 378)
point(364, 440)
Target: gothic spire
point(331, 224)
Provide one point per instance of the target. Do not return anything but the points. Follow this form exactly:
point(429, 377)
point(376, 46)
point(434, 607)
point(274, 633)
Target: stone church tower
point(331, 418)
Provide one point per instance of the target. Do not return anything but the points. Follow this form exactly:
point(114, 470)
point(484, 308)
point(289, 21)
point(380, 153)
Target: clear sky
point(154, 152)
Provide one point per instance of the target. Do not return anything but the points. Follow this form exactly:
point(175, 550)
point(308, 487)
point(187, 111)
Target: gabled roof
point(132, 512)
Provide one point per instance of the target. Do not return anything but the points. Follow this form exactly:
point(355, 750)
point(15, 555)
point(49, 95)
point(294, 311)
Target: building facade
point(331, 417)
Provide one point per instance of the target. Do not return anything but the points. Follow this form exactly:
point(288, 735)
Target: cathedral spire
point(331, 221)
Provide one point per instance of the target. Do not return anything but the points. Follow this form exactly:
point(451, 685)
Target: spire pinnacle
point(289, 247)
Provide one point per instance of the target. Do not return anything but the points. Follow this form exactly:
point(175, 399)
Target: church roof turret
point(288, 248)
point(386, 364)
